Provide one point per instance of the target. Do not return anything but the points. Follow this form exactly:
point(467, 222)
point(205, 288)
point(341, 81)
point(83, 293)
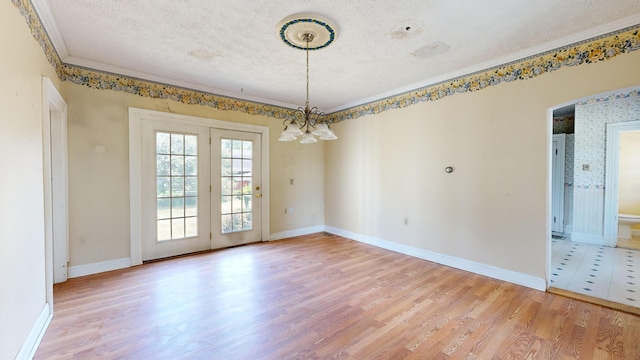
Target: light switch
point(585, 167)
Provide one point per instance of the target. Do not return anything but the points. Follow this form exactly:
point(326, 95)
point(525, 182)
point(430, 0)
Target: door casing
point(558, 153)
point(136, 117)
point(612, 162)
point(55, 180)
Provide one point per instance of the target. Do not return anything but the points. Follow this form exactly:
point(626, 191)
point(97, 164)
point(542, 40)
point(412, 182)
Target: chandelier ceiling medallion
point(305, 32)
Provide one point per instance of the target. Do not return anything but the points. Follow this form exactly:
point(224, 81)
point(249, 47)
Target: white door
point(175, 189)
point(236, 188)
point(59, 194)
point(557, 194)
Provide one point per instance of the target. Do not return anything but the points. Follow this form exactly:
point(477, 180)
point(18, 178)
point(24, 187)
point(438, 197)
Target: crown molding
point(593, 50)
point(571, 40)
point(87, 64)
point(596, 44)
point(49, 24)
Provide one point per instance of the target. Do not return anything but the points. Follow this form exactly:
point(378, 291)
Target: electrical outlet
point(406, 221)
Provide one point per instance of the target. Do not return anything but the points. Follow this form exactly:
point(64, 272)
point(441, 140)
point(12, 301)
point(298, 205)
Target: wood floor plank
point(323, 297)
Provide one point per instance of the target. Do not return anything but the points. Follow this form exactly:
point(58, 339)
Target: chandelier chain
point(307, 38)
point(305, 121)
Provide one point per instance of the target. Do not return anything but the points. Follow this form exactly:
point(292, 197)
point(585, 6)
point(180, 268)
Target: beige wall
point(492, 208)
point(629, 175)
point(22, 264)
point(99, 182)
point(384, 168)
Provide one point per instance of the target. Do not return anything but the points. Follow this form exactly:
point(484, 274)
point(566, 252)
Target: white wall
point(22, 248)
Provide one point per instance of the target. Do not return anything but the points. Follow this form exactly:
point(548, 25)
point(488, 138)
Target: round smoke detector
point(296, 29)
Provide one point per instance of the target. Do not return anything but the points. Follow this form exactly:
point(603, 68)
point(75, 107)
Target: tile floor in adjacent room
point(603, 272)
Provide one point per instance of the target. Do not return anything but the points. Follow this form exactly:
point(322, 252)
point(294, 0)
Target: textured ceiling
point(382, 47)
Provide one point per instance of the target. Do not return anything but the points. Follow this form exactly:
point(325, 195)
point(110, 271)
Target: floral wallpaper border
point(109, 81)
point(39, 33)
point(610, 97)
point(590, 51)
point(598, 49)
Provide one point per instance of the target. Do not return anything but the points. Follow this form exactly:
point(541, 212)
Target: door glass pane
point(236, 185)
point(191, 165)
point(164, 208)
point(176, 185)
point(177, 228)
point(226, 224)
point(190, 145)
point(191, 206)
point(164, 230)
point(191, 226)
point(162, 165)
point(190, 186)
point(177, 208)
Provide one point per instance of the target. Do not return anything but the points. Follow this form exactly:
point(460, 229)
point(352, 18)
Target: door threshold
point(594, 300)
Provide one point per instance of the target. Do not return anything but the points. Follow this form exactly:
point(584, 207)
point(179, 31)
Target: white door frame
point(54, 147)
point(612, 162)
point(136, 116)
point(557, 199)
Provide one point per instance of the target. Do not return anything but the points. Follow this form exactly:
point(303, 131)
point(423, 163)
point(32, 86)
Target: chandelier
point(306, 33)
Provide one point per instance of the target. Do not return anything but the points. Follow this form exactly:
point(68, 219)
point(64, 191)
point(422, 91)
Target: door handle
point(258, 195)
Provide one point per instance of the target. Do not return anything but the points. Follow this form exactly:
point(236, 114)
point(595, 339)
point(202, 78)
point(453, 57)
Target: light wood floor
point(323, 297)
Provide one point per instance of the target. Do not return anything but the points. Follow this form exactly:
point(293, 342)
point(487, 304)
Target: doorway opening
point(622, 192)
point(54, 141)
point(583, 261)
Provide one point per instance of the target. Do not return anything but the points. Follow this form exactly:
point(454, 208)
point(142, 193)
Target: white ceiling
point(232, 47)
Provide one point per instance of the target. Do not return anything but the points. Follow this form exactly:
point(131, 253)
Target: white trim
point(136, 116)
point(568, 229)
point(548, 198)
point(52, 102)
point(49, 23)
point(135, 189)
point(50, 26)
point(99, 267)
point(30, 345)
point(612, 161)
point(514, 57)
point(557, 189)
point(458, 263)
point(590, 239)
point(175, 82)
point(296, 232)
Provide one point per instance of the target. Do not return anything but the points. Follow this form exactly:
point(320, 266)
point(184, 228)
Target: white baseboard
point(458, 263)
point(297, 232)
point(590, 239)
point(30, 345)
point(89, 269)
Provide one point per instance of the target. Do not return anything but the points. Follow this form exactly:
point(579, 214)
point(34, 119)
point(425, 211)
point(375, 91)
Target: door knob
point(258, 195)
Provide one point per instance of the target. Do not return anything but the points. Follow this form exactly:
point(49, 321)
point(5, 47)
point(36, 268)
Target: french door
point(236, 188)
point(201, 188)
point(175, 189)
